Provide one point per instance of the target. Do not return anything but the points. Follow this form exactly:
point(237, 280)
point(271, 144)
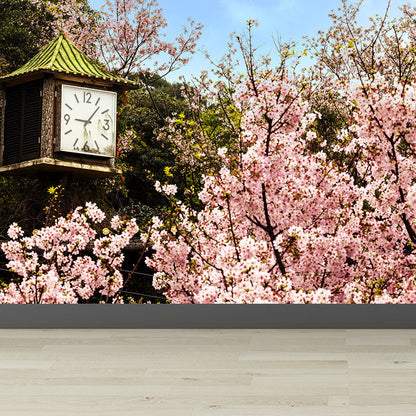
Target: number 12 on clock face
point(88, 121)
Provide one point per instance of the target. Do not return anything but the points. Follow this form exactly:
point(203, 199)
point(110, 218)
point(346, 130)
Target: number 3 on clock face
point(88, 121)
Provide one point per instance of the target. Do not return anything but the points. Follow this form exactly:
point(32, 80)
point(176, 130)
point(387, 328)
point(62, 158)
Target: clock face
point(88, 121)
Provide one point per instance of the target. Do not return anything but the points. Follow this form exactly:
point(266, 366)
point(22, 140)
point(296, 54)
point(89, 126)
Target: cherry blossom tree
point(132, 38)
point(355, 50)
point(52, 266)
point(382, 137)
point(269, 222)
point(281, 223)
point(126, 35)
point(81, 23)
point(348, 50)
point(278, 221)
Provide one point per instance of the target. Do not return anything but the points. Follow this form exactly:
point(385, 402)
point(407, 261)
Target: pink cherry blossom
point(284, 225)
point(51, 268)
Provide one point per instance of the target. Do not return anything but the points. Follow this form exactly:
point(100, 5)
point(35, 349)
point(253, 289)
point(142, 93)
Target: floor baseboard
point(209, 316)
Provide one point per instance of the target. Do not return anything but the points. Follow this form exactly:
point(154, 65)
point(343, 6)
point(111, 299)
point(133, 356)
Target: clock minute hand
point(92, 115)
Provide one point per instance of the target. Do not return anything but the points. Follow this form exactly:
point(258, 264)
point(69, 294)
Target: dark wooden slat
point(22, 122)
point(32, 122)
point(12, 132)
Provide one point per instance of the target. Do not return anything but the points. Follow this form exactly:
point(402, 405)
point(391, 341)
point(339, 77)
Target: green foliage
point(143, 213)
point(333, 119)
point(144, 111)
point(25, 28)
point(327, 127)
point(201, 135)
point(22, 201)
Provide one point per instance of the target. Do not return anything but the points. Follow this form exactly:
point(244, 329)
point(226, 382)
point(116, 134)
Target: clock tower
point(59, 114)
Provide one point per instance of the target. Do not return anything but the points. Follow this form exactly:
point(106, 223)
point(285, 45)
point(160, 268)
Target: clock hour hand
point(89, 120)
point(83, 121)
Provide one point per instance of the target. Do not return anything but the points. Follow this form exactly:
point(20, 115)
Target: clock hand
point(83, 121)
point(92, 115)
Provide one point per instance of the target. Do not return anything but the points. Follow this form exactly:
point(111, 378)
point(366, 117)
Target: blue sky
point(290, 19)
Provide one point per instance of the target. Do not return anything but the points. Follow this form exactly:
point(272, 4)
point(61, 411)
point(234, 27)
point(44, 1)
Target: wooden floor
point(207, 372)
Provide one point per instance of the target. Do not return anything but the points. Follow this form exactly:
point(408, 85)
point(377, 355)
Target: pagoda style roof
point(62, 56)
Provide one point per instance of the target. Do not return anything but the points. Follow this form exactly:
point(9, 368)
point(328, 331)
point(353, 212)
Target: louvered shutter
point(13, 125)
point(22, 122)
point(32, 111)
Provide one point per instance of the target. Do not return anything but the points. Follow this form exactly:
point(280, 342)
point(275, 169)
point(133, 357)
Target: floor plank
point(207, 372)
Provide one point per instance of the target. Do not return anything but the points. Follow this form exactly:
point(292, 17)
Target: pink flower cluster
point(286, 225)
point(125, 142)
point(132, 37)
point(51, 265)
point(126, 35)
point(167, 189)
point(83, 28)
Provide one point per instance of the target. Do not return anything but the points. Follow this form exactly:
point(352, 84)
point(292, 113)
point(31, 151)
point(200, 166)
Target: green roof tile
point(62, 56)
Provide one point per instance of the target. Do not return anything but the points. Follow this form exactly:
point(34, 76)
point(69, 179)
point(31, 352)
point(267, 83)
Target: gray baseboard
point(209, 316)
